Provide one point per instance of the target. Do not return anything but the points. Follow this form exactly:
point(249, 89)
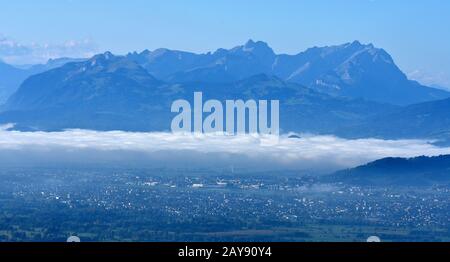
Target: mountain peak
point(102, 57)
point(250, 43)
point(358, 45)
point(107, 55)
point(161, 51)
point(258, 47)
point(146, 52)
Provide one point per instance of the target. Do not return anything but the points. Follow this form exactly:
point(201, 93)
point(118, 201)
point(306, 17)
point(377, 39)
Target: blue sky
point(415, 33)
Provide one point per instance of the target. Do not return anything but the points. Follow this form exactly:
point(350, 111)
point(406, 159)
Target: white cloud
point(14, 52)
point(322, 153)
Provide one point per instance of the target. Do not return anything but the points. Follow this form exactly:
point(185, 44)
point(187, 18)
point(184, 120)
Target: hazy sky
point(415, 33)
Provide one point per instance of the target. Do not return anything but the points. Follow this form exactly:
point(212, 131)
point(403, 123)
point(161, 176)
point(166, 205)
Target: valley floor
point(211, 205)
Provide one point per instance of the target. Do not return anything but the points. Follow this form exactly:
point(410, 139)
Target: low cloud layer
point(14, 52)
point(83, 147)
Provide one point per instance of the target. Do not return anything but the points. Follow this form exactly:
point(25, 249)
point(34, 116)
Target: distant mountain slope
point(111, 92)
point(105, 92)
point(418, 171)
point(424, 120)
point(301, 109)
point(81, 82)
point(11, 77)
point(352, 70)
point(231, 65)
point(357, 70)
point(52, 63)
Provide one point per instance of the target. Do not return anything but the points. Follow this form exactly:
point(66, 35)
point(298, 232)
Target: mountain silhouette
point(418, 171)
point(105, 91)
point(352, 70)
point(352, 90)
point(111, 92)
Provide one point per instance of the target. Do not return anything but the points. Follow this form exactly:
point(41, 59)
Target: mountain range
point(110, 92)
point(351, 70)
point(352, 90)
